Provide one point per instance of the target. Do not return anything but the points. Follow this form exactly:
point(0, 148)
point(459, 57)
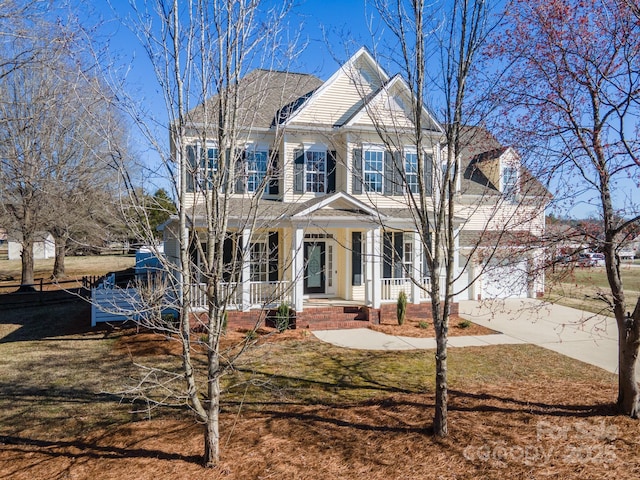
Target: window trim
point(254, 150)
point(408, 185)
point(510, 190)
point(378, 150)
point(307, 171)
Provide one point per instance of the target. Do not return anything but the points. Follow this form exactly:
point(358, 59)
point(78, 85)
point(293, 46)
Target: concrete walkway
point(366, 339)
point(574, 333)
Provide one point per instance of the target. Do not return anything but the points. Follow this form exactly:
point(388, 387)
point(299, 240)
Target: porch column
point(246, 269)
point(418, 274)
point(373, 291)
point(297, 270)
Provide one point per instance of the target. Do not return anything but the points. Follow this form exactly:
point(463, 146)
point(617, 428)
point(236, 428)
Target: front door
point(314, 274)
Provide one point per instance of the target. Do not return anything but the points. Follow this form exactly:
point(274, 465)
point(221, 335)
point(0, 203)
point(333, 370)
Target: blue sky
point(332, 29)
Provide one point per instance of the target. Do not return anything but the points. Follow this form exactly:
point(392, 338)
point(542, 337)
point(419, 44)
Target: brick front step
point(337, 325)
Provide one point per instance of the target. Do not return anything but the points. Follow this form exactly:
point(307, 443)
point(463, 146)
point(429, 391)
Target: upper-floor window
point(202, 165)
point(256, 169)
point(314, 171)
point(510, 182)
point(373, 170)
point(411, 171)
point(389, 173)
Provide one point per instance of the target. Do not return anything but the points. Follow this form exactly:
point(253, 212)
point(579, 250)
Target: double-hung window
point(315, 171)
point(398, 253)
point(373, 168)
point(259, 261)
point(202, 166)
point(411, 171)
point(256, 164)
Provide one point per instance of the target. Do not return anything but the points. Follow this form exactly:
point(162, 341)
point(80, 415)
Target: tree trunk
point(27, 279)
point(628, 344)
point(212, 433)
point(61, 249)
point(440, 425)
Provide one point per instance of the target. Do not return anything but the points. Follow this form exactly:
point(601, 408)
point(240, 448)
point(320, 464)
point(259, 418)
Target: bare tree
point(575, 84)
point(201, 53)
point(53, 160)
point(466, 215)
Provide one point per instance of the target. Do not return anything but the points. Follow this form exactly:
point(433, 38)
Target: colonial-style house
point(333, 224)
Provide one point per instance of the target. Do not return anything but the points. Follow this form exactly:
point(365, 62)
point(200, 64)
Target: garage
point(505, 279)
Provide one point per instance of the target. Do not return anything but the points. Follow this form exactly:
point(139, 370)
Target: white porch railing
point(391, 287)
point(260, 294)
point(270, 293)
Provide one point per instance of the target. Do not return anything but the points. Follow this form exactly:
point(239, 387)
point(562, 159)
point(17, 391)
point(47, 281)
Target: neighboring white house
point(333, 221)
point(43, 246)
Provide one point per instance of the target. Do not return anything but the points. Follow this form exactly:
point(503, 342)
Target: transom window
point(411, 171)
point(315, 171)
point(372, 171)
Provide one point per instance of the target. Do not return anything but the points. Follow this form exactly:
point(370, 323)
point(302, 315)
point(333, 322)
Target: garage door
point(505, 280)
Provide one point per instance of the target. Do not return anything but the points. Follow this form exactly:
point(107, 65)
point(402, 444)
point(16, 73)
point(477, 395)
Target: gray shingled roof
point(481, 146)
point(264, 98)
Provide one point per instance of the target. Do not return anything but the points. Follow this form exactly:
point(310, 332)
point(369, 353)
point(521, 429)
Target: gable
point(343, 94)
point(392, 106)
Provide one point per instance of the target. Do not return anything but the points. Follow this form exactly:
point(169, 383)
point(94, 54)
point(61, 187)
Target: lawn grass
point(582, 287)
point(74, 266)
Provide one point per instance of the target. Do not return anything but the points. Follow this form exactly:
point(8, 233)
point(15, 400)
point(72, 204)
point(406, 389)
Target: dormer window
point(509, 179)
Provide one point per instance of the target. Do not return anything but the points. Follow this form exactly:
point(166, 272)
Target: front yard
point(297, 408)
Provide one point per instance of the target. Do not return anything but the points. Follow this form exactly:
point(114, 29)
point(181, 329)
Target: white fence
point(114, 305)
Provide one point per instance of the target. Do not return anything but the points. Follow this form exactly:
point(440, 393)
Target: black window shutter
point(331, 171)
point(274, 172)
point(239, 171)
point(428, 174)
point(398, 241)
point(387, 256)
point(298, 171)
point(356, 258)
point(273, 256)
point(192, 167)
point(398, 168)
point(227, 258)
point(357, 171)
point(388, 174)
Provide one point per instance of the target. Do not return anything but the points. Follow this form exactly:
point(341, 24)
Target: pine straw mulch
point(148, 343)
point(514, 430)
point(420, 328)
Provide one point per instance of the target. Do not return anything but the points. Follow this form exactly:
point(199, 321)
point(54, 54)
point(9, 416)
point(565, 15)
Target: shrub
point(401, 310)
point(282, 317)
point(423, 324)
point(464, 324)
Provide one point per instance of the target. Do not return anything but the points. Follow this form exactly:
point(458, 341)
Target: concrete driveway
point(577, 334)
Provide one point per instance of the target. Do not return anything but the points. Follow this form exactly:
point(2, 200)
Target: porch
point(244, 296)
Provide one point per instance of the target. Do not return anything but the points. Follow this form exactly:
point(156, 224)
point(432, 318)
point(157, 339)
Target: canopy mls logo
point(578, 443)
